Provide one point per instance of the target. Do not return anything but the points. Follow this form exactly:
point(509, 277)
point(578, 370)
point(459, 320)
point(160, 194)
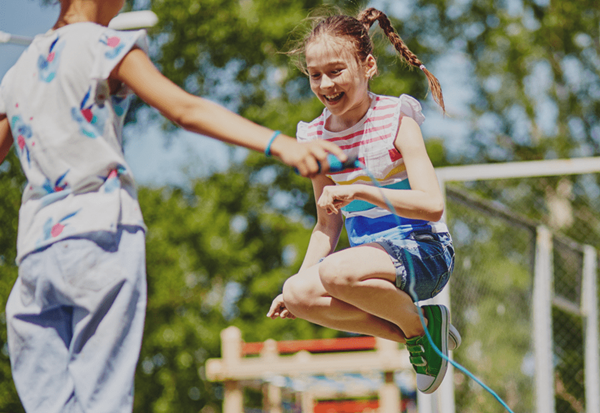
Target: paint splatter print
point(58, 186)
point(48, 63)
point(90, 117)
point(54, 229)
point(112, 181)
point(23, 135)
point(114, 44)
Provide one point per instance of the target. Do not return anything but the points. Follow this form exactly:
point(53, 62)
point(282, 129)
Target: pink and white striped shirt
point(372, 141)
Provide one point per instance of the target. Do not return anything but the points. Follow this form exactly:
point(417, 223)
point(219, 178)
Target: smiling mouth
point(333, 98)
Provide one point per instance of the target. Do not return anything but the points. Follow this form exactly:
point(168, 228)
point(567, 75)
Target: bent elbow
point(182, 116)
point(437, 211)
point(184, 112)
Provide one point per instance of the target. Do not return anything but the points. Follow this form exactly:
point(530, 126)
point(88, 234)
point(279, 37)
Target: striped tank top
point(371, 140)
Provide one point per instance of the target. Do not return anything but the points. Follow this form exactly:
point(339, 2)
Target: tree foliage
point(12, 182)
point(218, 253)
point(216, 256)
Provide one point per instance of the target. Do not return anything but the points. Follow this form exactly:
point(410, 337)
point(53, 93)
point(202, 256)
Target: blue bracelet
point(268, 148)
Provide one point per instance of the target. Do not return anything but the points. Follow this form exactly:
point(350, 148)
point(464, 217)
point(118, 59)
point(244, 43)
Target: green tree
point(11, 184)
point(216, 255)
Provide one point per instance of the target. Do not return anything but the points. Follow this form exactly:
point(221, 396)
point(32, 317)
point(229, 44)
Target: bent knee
point(297, 295)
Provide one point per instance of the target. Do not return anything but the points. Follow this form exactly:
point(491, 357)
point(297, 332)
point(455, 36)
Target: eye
point(315, 75)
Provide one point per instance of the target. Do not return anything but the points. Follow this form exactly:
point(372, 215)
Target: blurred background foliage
point(220, 248)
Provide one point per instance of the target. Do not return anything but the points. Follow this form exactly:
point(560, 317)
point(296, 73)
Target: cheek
point(314, 86)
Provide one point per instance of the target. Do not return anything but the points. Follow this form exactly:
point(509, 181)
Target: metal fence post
point(542, 322)
point(589, 308)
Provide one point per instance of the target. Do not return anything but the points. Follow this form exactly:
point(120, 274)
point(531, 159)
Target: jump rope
point(335, 165)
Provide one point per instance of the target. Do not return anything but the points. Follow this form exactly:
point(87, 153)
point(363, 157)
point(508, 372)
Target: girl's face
point(338, 80)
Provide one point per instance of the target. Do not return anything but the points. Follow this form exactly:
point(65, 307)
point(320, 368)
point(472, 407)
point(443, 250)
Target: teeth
point(333, 97)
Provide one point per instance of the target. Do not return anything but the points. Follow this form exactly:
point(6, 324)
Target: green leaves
point(11, 184)
point(215, 257)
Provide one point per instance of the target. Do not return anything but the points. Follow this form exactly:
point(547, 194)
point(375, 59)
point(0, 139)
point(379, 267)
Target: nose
point(326, 82)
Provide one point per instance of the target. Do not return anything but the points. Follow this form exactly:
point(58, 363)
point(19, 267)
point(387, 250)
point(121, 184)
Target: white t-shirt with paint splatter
point(67, 129)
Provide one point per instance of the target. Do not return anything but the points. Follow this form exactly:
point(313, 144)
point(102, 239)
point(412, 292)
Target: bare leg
point(354, 290)
point(306, 298)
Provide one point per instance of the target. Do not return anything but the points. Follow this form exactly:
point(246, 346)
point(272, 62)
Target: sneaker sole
point(454, 338)
point(444, 367)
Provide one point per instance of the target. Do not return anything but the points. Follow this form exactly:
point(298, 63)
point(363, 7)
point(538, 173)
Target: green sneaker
point(430, 367)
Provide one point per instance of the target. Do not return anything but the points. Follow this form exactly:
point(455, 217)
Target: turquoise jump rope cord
point(414, 296)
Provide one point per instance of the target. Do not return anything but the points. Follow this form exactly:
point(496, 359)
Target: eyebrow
point(332, 63)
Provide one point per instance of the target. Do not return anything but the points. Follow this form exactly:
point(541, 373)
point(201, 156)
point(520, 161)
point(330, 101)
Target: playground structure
point(365, 355)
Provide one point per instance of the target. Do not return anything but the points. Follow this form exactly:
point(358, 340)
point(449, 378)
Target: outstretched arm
point(6, 138)
point(202, 116)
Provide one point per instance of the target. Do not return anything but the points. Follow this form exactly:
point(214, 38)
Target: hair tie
point(422, 67)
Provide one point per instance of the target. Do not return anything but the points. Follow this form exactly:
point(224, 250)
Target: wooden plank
point(303, 363)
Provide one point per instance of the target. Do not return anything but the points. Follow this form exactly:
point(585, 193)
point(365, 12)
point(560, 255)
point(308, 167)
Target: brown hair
point(356, 30)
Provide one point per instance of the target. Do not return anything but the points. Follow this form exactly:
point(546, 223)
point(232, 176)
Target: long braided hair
point(356, 30)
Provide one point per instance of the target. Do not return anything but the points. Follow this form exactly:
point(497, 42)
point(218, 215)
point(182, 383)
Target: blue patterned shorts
point(424, 261)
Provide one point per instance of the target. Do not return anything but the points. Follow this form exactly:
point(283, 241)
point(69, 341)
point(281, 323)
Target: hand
point(306, 157)
point(278, 309)
point(335, 197)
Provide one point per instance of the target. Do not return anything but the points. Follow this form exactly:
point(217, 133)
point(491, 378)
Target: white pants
point(75, 321)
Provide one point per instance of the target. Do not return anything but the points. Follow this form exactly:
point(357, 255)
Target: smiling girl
point(370, 288)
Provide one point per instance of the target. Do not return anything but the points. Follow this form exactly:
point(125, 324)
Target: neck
point(350, 118)
point(76, 11)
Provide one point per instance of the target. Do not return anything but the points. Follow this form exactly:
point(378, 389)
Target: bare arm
point(199, 115)
point(6, 138)
point(326, 233)
point(423, 201)
point(323, 241)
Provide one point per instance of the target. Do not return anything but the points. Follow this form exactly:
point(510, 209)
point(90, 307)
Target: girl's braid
point(369, 16)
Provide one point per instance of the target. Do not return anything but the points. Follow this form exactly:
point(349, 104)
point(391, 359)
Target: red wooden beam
point(346, 406)
point(315, 346)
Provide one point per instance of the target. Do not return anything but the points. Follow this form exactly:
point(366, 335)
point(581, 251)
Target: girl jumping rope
point(370, 288)
point(75, 315)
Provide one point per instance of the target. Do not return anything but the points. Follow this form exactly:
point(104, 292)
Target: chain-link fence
point(491, 301)
point(495, 224)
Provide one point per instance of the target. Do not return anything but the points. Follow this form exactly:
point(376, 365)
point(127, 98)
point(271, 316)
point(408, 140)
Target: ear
point(370, 67)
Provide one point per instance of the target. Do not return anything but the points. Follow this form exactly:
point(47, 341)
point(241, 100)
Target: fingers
point(286, 314)
point(329, 202)
point(276, 306)
point(278, 309)
point(280, 312)
point(315, 161)
point(310, 166)
point(334, 150)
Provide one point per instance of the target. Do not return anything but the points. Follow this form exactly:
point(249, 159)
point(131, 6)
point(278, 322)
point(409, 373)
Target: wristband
point(268, 148)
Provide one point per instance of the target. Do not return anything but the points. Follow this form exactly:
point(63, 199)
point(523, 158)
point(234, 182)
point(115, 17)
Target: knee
point(336, 276)
point(296, 296)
